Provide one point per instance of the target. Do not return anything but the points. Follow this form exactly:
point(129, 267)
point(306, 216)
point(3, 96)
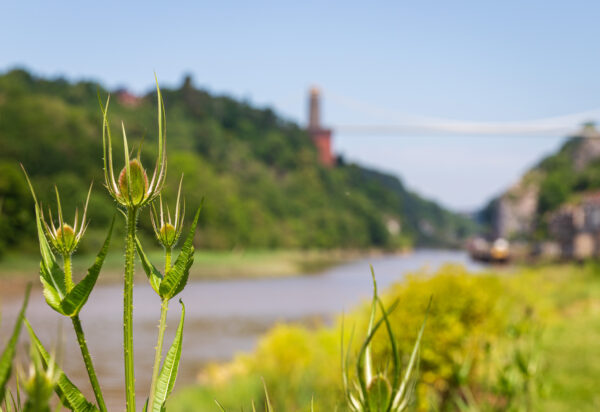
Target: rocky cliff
point(521, 211)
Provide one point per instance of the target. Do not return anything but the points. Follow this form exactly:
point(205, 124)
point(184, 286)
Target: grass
point(573, 365)
point(568, 296)
point(207, 264)
point(571, 340)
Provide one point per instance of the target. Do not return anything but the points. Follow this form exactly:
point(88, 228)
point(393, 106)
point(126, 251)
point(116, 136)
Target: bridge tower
point(320, 136)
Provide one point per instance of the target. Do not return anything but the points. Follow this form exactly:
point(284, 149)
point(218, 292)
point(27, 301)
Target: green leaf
point(360, 363)
point(51, 275)
point(71, 305)
point(176, 279)
point(267, 399)
point(154, 276)
point(168, 372)
point(401, 393)
point(68, 393)
point(221, 407)
point(51, 295)
point(8, 354)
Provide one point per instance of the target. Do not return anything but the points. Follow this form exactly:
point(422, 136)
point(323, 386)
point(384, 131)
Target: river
point(222, 317)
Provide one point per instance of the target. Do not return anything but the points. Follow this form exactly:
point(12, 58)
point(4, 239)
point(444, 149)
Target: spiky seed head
point(135, 191)
point(39, 384)
point(65, 237)
point(132, 188)
point(167, 229)
point(168, 234)
point(379, 392)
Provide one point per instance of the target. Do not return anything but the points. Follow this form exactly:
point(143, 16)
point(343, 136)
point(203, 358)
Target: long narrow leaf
point(368, 358)
point(74, 301)
point(395, 355)
point(361, 357)
point(8, 354)
point(267, 399)
point(168, 372)
point(412, 361)
point(154, 276)
point(176, 279)
point(50, 269)
point(68, 393)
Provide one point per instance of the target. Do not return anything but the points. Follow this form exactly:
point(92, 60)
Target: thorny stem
point(132, 213)
point(161, 336)
point(158, 356)
point(68, 272)
point(167, 260)
point(88, 362)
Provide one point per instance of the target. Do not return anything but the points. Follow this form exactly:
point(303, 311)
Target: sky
point(375, 62)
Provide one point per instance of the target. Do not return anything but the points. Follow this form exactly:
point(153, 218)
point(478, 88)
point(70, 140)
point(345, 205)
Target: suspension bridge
point(407, 124)
point(401, 124)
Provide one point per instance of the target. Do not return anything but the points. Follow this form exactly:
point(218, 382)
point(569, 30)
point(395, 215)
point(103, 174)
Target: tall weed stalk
point(132, 190)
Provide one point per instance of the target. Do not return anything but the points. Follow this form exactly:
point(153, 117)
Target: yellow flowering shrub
point(471, 319)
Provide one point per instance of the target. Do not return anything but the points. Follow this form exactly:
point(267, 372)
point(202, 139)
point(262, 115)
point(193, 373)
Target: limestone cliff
point(575, 168)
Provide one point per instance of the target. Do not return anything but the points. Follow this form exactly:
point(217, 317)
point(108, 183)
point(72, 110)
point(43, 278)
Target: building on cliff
point(576, 227)
point(320, 136)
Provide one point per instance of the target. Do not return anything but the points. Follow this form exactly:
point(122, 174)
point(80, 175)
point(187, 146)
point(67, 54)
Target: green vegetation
point(259, 173)
point(493, 342)
point(132, 190)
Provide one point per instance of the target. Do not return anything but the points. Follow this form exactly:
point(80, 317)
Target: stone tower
point(321, 137)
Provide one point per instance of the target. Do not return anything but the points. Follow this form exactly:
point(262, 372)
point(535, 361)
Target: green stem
point(132, 213)
point(88, 362)
point(167, 260)
point(68, 272)
point(158, 356)
point(161, 335)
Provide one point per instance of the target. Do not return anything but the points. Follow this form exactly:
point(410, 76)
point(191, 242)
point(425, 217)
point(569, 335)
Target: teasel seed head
point(132, 189)
point(65, 238)
point(168, 230)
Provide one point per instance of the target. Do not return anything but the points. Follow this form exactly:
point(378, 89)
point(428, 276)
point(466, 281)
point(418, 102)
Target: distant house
point(126, 98)
point(576, 227)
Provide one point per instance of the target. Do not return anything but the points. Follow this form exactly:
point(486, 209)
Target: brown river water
point(222, 317)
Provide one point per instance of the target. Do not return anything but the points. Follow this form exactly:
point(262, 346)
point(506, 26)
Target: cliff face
point(574, 169)
point(516, 211)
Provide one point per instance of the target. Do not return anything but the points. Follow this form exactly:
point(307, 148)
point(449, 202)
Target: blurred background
point(431, 140)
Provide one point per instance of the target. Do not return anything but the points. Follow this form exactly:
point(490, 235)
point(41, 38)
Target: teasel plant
point(60, 291)
point(167, 286)
point(132, 191)
point(380, 391)
point(39, 385)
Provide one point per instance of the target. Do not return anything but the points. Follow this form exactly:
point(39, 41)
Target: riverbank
point(237, 264)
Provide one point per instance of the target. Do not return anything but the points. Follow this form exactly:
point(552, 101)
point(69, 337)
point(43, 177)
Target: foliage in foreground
point(132, 189)
point(478, 352)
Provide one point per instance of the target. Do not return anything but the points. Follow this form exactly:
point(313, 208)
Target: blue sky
point(462, 60)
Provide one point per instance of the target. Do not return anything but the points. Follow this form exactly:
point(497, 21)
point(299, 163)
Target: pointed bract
point(168, 230)
point(132, 189)
point(65, 238)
